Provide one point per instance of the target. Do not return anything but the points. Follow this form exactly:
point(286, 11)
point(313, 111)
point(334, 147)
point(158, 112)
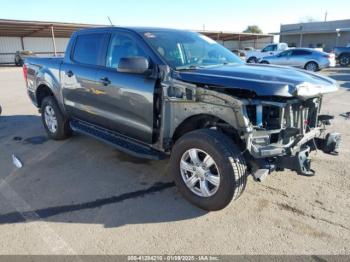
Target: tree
point(254, 29)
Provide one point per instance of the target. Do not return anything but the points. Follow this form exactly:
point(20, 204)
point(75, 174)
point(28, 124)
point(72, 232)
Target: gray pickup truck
point(155, 93)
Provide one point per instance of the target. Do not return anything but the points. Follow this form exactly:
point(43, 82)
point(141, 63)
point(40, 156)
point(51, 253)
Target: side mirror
point(133, 65)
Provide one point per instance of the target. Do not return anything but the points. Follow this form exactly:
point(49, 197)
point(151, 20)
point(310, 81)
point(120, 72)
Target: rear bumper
point(32, 97)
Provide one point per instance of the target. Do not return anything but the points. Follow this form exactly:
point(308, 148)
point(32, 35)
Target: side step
point(118, 141)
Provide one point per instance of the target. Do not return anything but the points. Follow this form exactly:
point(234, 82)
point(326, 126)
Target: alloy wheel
point(200, 172)
point(50, 119)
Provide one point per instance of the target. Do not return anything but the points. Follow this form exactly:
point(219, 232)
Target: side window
point(122, 46)
point(88, 48)
point(285, 53)
point(300, 52)
point(270, 48)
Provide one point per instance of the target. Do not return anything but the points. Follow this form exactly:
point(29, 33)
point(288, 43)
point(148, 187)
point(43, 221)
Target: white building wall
point(41, 45)
point(44, 44)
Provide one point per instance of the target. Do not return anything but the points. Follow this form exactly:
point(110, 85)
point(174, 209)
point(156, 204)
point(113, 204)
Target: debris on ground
point(346, 115)
point(16, 161)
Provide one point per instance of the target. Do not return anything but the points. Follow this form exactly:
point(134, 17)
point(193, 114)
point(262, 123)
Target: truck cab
point(269, 50)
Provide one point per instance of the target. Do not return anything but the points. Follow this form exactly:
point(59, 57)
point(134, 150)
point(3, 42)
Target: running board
point(118, 141)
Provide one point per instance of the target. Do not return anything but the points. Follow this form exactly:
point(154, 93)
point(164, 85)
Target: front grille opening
point(274, 138)
point(251, 112)
point(270, 117)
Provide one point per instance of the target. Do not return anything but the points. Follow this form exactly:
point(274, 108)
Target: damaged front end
point(273, 113)
point(285, 132)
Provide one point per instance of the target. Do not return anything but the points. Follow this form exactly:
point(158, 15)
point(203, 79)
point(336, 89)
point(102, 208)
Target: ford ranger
point(155, 93)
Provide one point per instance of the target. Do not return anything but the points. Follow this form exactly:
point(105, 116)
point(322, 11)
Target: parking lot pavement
point(83, 197)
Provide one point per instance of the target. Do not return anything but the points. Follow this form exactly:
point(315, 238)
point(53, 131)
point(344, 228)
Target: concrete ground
point(80, 196)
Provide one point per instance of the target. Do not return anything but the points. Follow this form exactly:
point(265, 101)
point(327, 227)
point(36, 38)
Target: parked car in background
point(342, 54)
point(21, 55)
point(273, 49)
point(306, 58)
point(238, 52)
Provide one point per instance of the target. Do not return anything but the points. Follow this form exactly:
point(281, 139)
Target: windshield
point(189, 50)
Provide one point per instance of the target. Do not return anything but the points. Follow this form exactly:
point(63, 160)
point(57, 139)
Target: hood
point(263, 80)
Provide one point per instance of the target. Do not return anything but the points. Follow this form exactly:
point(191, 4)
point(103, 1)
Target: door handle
point(69, 73)
point(105, 81)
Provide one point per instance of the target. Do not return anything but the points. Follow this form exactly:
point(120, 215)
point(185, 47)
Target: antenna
point(110, 21)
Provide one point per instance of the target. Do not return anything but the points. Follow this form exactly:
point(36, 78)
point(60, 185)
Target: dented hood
point(263, 80)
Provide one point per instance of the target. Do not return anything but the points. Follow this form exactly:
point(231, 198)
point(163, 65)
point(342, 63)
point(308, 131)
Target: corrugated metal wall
point(258, 44)
point(9, 45)
point(42, 44)
point(36, 44)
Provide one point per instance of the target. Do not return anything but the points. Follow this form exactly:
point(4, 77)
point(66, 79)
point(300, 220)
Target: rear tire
point(56, 125)
point(312, 67)
point(229, 169)
point(18, 61)
point(344, 60)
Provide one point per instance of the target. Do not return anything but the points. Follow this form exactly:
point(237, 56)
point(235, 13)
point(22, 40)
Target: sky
point(222, 15)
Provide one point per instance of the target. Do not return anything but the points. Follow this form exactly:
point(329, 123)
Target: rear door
point(124, 101)
point(299, 58)
point(78, 75)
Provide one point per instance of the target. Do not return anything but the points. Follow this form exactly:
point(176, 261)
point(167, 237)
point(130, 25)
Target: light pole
point(338, 35)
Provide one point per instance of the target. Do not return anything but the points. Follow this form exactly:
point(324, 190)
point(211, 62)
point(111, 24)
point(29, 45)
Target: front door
point(124, 101)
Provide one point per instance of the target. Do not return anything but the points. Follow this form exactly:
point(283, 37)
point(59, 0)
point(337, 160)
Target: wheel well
point(205, 121)
point(42, 92)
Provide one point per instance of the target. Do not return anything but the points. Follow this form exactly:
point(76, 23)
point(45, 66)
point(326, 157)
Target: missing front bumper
point(301, 163)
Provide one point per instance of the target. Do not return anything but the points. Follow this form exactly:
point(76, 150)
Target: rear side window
point(301, 52)
point(88, 49)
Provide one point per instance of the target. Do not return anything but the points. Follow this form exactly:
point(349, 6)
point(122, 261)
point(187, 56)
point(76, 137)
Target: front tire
point(18, 61)
point(208, 169)
point(344, 60)
point(56, 125)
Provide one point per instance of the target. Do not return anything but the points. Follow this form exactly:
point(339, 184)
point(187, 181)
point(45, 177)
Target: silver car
point(309, 59)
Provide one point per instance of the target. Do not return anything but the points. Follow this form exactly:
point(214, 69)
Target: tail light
point(329, 56)
point(25, 72)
